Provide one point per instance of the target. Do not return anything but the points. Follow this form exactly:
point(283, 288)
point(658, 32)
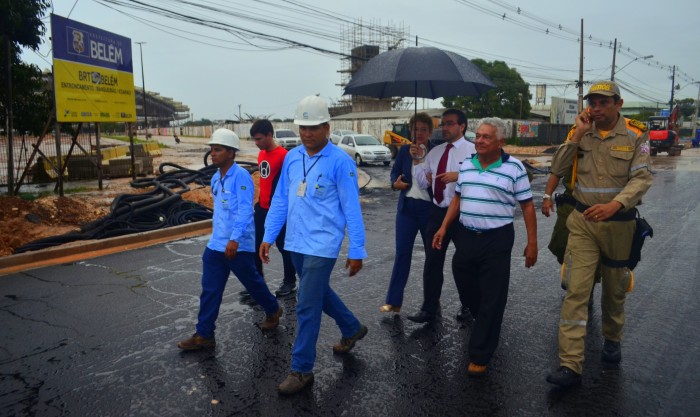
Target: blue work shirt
point(316, 221)
point(233, 210)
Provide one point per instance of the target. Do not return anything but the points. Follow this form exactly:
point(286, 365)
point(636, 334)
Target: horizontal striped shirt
point(488, 196)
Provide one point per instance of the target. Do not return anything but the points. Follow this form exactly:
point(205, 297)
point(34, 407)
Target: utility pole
point(673, 90)
point(612, 71)
point(697, 106)
point(143, 85)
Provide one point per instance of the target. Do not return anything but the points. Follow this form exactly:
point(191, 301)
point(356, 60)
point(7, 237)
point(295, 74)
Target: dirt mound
point(23, 221)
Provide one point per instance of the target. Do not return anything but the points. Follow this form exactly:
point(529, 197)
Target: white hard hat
point(225, 137)
point(311, 111)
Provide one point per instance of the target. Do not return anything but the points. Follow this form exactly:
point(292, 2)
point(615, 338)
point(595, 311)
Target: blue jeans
point(409, 221)
point(215, 271)
point(315, 296)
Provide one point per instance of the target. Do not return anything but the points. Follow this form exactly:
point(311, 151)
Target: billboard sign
point(563, 111)
point(93, 73)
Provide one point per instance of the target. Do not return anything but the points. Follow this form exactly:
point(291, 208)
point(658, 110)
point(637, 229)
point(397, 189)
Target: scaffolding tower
point(360, 42)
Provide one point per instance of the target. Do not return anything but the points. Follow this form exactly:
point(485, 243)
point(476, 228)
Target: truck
point(400, 135)
point(395, 138)
point(663, 135)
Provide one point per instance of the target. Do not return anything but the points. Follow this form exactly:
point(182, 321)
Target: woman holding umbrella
point(413, 207)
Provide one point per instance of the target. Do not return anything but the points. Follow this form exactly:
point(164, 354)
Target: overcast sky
point(214, 71)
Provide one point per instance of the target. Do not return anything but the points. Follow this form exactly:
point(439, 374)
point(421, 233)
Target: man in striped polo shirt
point(488, 187)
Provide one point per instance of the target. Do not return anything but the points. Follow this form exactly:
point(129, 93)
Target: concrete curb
point(76, 251)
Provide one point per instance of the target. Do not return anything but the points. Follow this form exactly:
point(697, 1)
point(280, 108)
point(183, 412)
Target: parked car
point(286, 138)
point(365, 148)
point(336, 135)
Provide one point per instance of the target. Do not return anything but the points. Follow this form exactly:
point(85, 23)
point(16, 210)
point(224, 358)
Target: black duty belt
point(620, 216)
point(562, 199)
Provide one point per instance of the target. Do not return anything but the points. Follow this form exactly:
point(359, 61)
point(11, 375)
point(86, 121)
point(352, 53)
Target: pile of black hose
point(530, 168)
point(158, 208)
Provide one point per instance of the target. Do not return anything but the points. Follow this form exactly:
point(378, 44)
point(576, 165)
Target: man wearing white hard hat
point(318, 197)
point(231, 247)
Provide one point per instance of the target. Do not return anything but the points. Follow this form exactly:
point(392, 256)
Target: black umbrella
point(425, 72)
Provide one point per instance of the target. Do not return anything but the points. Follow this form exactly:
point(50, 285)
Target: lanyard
point(221, 181)
point(303, 161)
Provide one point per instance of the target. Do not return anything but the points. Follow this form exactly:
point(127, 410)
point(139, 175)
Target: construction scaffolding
point(360, 42)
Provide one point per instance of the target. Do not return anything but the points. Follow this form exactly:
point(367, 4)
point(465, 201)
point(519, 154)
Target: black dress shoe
point(564, 377)
point(611, 352)
point(423, 317)
point(465, 315)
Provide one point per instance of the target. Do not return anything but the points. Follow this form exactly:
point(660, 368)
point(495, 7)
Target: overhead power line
point(518, 16)
point(247, 23)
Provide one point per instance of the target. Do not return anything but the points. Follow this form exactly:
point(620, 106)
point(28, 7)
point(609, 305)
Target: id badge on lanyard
point(301, 190)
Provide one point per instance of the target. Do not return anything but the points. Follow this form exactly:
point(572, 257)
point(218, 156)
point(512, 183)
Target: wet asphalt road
point(97, 338)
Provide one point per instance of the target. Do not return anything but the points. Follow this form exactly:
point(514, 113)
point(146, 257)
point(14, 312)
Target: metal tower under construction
point(360, 42)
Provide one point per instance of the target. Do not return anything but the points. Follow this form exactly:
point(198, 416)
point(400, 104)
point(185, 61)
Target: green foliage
point(201, 122)
point(510, 99)
point(43, 194)
point(20, 21)
point(32, 102)
point(687, 107)
point(642, 116)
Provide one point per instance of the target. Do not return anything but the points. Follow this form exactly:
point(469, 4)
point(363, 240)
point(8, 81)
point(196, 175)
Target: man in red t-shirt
point(270, 161)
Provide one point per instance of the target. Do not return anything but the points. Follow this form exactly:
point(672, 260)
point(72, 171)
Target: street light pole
point(695, 115)
point(143, 85)
point(612, 74)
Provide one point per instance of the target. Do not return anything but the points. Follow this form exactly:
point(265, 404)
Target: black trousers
point(433, 275)
point(482, 264)
point(289, 271)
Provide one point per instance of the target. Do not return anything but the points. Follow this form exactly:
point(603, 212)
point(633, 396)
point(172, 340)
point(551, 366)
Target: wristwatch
point(546, 196)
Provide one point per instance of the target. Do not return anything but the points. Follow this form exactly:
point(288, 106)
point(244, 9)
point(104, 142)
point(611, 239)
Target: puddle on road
point(688, 161)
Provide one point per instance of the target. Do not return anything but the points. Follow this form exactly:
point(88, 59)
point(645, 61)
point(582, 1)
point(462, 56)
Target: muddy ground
point(23, 220)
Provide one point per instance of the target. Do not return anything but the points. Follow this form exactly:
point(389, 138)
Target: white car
point(364, 149)
point(336, 135)
point(286, 138)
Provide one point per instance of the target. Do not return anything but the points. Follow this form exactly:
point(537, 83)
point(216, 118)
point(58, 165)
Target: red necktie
point(439, 190)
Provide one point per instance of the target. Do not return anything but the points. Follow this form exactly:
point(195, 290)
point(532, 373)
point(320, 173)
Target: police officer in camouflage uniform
point(612, 167)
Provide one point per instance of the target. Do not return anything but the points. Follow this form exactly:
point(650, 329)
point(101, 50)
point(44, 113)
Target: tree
point(686, 107)
point(642, 116)
point(510, 98)
point(32, 99)
point(21, 21)
point(21, 26)
point(200, 122)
